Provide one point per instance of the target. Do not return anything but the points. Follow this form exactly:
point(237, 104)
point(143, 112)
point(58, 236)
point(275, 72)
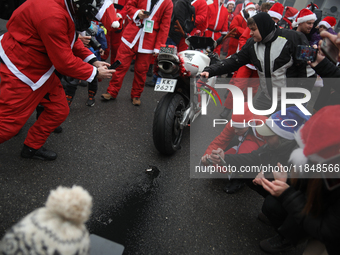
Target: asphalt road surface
point(106, 149)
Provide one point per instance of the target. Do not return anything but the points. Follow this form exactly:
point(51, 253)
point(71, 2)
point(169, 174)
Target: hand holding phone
point(146, 13)
point(306, 53)
point(115, 64)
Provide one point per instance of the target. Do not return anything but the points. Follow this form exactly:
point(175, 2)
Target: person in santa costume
point(230, 5)
point(247, 141)
point(305, 205)
point(201, 13)
point(276, 12)
point(240, 23)
point(142, 38)
point(287, 20)
point(114, 36)
point(42, 37)
point(217, 22)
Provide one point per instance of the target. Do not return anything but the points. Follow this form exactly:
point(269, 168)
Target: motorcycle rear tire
point(167, 135)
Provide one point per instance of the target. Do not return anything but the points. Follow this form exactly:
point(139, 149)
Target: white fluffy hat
point(57, 228)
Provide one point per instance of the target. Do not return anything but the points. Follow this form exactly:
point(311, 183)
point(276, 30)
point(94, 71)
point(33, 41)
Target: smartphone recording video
point(330, 50)
point(306, 53)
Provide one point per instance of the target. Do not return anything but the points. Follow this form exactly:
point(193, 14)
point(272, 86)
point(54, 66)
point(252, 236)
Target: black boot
point(150, 83)
point(225, 113)
point(91, 100)
point(42, 153)
point(150, 71)
point(276, 244)
point(58, 130)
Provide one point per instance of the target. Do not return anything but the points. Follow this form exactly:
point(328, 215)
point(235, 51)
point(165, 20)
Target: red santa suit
point(252, 140)
point(201, 14)
point(114, 36)
point(41, 37)
point(245, 77)
point(226, 41)
point(217, 22)
point(108, 16)
point(240, 23)
point(136, 42)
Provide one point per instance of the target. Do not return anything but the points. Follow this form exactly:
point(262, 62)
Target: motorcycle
point(179, 77)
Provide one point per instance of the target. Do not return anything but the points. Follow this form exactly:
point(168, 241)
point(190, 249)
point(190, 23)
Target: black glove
point(219, 40)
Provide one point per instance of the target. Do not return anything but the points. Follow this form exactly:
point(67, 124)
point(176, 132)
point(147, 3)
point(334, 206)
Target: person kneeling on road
point(239, 136)
point(307, 206)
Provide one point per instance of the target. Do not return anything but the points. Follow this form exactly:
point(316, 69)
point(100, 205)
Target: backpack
point(7, 7)
point(189, 22)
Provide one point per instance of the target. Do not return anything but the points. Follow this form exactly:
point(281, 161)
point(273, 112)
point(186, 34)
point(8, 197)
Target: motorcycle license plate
point(165, 85)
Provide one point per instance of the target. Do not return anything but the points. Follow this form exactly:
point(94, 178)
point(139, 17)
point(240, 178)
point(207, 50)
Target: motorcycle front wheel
point(167, 134)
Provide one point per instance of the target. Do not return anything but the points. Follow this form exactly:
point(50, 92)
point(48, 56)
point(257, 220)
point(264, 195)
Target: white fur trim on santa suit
point(102, 10)
point(274, 14)
point(324, 23)
point(239, 124)
point(115, 24)
point(293, 17)
point(297, 157)
point(304, 19)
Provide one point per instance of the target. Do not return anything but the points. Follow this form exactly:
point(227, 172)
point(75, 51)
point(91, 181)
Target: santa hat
point(57, 228)
point(271, 1)
point(310, 6)
point(107, 15)
point(318, 139)
point(276, 11)
point(291, 13)
point(241, 120)
point(304, 16)
point(283, 125)
point(230, 2)
point(249, 5)
point(328, 22)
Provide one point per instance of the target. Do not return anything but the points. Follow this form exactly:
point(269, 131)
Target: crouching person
point(308, 206)
point(241, 129)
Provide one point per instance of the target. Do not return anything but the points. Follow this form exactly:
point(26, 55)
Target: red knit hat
point(304, 16)
point(249, 5)
point(291, 13)
point(328, 22)
point(276, 11)
point(241, 121)
point(319, 138)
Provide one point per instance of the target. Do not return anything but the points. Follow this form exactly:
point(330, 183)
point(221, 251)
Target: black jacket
point(329, 72)
point(183, 13)
point(325, 228)
point(275, 62)
point(326, 69)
